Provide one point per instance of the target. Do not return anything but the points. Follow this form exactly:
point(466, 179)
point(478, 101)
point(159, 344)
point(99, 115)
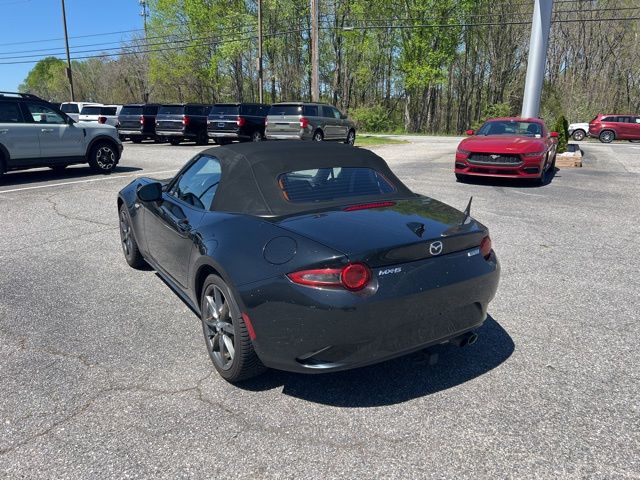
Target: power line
point(306, 29)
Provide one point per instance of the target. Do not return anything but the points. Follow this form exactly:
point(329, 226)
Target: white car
point(73, 108)
point(578, 131)
point(105, 114)
point(35, 133)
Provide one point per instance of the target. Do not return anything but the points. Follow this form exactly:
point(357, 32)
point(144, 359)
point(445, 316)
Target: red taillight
point(304, 122)
point(354, 277)
point(240, 121)
point(366, 206)
point(485, 247)
point(102, 119)
point(141, 119)
point(185, 120)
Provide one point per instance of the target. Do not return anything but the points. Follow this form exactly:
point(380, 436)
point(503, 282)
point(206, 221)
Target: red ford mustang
point(508, 147)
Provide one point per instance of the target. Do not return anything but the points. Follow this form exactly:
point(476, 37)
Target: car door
point(330, 127)
point(58, 139)
point(341, 124)
point(635, 128)
point(19, 138)
point(171, 226)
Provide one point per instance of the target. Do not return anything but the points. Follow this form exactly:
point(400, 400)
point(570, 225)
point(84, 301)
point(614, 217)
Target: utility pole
point(540, 27)
point(315, 86)
point(66, 43)
point(144, 13)
point(260, 77)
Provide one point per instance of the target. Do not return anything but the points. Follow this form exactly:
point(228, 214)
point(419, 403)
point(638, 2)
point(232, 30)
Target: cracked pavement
point(105, 374)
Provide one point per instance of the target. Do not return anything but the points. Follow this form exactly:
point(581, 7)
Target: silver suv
point(35, 133)
point(308, 121)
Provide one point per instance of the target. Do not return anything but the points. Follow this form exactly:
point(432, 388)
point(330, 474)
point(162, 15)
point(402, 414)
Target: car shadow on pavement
point(397, 380)
point(24, 177)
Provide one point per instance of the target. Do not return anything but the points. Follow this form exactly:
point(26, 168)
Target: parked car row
point(607, 128)
point(227, 122)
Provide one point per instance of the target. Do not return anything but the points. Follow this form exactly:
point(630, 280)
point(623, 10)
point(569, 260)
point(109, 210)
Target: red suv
point(615, 127)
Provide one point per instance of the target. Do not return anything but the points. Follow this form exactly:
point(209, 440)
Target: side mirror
point(470, 132)
point(151, 192)
point(554, 134)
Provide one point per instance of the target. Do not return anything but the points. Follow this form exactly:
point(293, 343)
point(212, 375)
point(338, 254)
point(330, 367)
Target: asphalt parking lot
point(105, 373)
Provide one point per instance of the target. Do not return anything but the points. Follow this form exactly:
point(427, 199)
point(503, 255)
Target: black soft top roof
point(249, 181)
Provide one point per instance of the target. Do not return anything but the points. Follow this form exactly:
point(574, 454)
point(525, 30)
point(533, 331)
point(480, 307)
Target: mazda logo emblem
point(435, 248)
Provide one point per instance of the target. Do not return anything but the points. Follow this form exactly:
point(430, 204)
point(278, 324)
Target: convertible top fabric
point(249, 180)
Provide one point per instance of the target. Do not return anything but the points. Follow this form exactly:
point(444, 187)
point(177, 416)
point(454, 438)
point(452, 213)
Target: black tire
point(175, 141)
point(542, 179)
point(103, 157)
point(202, 139)
point(318, 136)
point(136, 139)
point(129, 245)
point(607, 136)
point(578, 135)
point(58, 168)
point(223, 325)
point(257, 136)
point(157, 139)
point(351, 138)
point(462, 178)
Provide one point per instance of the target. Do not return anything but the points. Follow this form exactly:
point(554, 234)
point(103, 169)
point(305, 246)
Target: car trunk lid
point(284, 119)
point(398, 232)
point(223, 118)
point(170, 117)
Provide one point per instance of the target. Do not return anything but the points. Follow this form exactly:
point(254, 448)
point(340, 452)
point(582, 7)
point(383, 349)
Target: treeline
point(410, 65)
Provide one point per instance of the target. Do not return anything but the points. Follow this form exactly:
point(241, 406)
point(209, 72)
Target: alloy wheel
point(351, 138)
point(105, 158)
point(256, 137)
point(125, 234)
point(219, 330)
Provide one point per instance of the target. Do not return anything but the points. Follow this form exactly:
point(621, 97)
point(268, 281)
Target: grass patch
point(369, 141)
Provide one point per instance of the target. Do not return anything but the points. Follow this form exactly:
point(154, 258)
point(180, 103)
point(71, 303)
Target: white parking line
point(101, 179)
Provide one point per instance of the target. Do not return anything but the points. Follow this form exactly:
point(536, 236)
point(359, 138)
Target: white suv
point(104, 114)
point(35, 133)
point(73, 109)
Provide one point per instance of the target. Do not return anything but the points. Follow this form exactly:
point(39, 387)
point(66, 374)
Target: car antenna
point(467, 213)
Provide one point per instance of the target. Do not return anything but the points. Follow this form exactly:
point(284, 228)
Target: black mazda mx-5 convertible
point(309, 257)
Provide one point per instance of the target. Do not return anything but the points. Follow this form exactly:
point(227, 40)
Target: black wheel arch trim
point(197, 279)
point(104, 138)
point(4, 156)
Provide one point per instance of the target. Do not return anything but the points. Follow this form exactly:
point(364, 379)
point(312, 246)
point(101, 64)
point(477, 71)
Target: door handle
point(46, 130)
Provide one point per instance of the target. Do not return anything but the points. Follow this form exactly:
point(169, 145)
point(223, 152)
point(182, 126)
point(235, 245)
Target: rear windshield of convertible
point(329, 184)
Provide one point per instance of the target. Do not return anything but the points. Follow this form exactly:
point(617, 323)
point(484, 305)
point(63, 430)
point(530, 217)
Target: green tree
point(47, 79)
point(562, 127)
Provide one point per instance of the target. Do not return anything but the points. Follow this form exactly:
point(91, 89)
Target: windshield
point(171, 110)
point(218, 110)
point(285, 110)
point(326, 184)
point(509, 127)
point(90, 111)
point(131, 111)
point(69, 108)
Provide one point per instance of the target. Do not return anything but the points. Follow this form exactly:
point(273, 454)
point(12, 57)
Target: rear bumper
point(529, 168)
point(174, 133)
point(234, 135)
point(311, 330)
point(285, 136)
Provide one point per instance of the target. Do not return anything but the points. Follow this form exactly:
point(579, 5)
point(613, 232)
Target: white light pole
point(540, 27)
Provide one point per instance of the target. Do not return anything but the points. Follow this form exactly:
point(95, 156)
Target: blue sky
point(36, 20)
